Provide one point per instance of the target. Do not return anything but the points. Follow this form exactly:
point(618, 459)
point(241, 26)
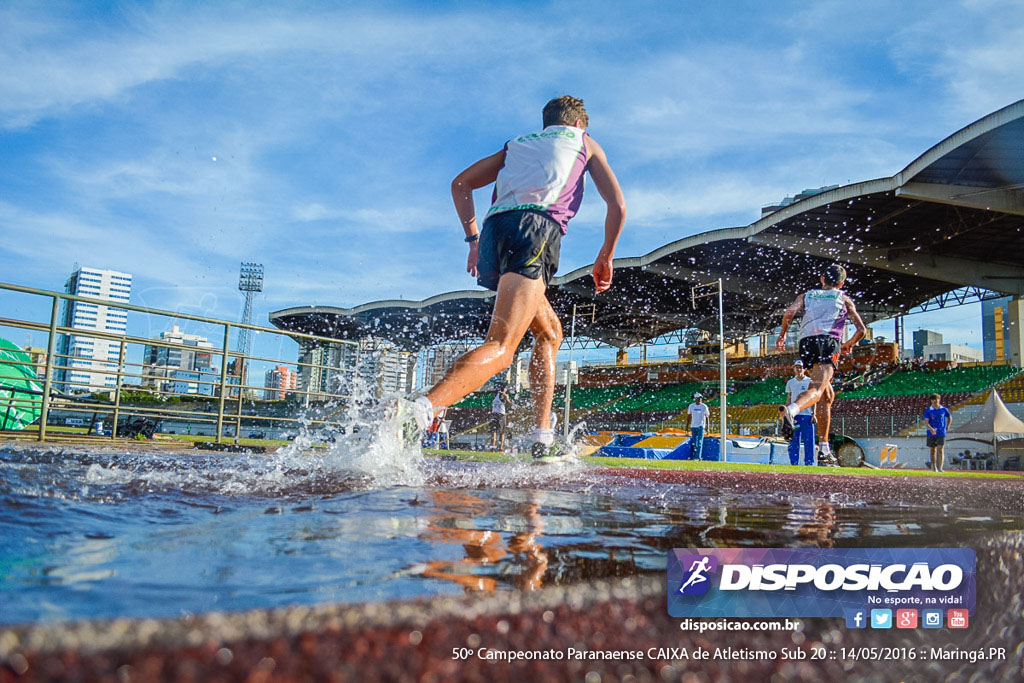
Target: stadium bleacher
point(672, 398)
point(921, 382)
point(892, 404)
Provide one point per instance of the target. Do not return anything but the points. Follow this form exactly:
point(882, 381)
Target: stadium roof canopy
point(953, 218)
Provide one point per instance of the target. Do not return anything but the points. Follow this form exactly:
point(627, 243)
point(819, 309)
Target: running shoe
point(556, 452)
point(411, 419)
point(788, 425)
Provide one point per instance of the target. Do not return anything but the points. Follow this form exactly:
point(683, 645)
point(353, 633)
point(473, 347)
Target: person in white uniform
point(699, 415)
point(824, 313)
point(803, 430)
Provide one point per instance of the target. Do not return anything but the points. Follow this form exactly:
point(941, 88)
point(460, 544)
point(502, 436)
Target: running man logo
point(695, 581)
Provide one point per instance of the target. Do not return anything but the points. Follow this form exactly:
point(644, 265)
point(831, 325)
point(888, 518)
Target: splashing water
point(365, 442)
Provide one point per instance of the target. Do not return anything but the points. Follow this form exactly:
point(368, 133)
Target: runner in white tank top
point(825, 312)
point(538, 187)
point(543, 172)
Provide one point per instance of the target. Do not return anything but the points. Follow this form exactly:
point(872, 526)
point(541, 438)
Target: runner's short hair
point(563, 111)
point(834, 275)
point(934, 397)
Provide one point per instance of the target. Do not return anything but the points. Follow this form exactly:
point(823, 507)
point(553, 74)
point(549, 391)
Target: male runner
point(539, 179)
point(825, 312)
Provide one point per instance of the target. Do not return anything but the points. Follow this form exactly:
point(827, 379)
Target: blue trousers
point(696, 442)
point(803, 430)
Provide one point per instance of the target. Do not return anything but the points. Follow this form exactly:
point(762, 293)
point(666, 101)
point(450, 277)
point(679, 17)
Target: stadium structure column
point(1015, 343)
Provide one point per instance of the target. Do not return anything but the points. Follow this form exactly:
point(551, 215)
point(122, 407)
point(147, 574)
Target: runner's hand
point(474, 254)
point(602, 274)
point(780, 344)
point(846, 349)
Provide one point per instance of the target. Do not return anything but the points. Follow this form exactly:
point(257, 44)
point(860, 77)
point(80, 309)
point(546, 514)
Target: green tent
point(20, 391)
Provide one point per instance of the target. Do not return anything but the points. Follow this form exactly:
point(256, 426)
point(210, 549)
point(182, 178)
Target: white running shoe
point(412, 418)
point(558, 451)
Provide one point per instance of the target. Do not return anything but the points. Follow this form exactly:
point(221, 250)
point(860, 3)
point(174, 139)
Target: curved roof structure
point(954, 217)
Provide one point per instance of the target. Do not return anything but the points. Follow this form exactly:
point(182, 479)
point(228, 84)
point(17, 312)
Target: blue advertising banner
point(819, 582)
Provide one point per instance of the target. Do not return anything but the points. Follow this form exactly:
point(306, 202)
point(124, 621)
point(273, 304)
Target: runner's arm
point(795, 309)
point(615, 214)
point(861, 330)
point(480, 174)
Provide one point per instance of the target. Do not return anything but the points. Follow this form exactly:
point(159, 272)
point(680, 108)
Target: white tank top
point(543, 172)
point(824, 314)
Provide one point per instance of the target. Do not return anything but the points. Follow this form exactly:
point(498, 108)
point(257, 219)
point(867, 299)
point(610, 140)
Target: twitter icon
point(881, 618)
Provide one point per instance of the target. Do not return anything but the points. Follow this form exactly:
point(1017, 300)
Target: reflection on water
point(452, 520)
point(104, 535)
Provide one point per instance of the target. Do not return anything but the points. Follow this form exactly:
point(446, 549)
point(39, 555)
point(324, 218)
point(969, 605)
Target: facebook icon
point(856, 618)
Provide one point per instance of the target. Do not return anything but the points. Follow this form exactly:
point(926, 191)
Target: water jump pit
point(364, 563)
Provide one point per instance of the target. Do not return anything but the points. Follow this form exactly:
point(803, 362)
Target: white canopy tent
point(994, 426)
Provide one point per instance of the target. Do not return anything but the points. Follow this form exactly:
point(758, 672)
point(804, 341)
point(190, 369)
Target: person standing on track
point(699, 416)
point(824, 313)
point(538, 186)
point(938, 419)
point(803, 431)
point(499, 420)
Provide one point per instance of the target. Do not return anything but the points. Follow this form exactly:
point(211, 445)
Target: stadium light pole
point(568, 366)
point(722, 400)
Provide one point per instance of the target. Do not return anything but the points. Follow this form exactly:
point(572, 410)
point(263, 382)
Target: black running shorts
point(524, 242)
point(818, 350)
point(935, 441)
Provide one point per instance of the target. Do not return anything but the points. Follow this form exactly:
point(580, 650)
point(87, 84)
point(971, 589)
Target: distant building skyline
point(372, 365)
point(995, 338)
point(279, 382)
point(169, 368)
point(951, 352)
point(923, 338)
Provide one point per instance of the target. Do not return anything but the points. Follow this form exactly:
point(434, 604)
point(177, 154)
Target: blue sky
point(174, 140)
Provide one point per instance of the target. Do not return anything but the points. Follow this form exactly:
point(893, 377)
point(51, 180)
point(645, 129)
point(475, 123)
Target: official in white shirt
point(699, 415)
point(803, 423)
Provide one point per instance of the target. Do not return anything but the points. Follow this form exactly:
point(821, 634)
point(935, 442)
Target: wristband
point(473, 238)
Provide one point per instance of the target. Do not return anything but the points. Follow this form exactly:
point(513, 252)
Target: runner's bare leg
point(515, 308)
point(823, 410)
point(821, 377)
point(547, 335)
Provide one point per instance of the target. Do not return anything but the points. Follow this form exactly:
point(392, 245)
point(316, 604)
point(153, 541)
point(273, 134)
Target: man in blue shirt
point(938, 418)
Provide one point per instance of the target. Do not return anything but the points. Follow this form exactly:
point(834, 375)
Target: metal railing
point(214, 397)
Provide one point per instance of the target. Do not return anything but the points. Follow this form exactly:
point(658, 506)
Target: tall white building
point(92, 357)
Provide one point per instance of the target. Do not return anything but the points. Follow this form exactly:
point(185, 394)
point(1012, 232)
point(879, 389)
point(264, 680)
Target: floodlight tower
point(250, 281)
